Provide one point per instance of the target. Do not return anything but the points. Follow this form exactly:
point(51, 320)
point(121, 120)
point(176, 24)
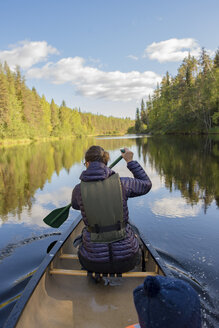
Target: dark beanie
point(163, 302)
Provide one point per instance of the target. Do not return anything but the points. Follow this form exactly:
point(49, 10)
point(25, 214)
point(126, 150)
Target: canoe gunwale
point(157, 258)
point(32, 284)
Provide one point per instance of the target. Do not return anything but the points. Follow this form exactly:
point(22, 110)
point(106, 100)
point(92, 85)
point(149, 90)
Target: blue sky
point(103, 56)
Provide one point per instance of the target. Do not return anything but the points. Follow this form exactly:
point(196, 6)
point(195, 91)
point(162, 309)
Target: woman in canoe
point(108, 243)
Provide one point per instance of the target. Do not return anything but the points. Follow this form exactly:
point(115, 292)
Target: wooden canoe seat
point(68, 272)
point(130, 274)
point(81, 273)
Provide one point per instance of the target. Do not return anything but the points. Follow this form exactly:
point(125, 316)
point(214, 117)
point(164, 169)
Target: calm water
point(180, 215)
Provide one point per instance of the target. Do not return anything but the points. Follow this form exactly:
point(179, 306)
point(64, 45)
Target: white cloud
point(57, 198)
point(39, 210)
point(96, 83)
point(157, 182)
point(174, 207)
point(27, 53)
point(132, 57)
point(172, 50)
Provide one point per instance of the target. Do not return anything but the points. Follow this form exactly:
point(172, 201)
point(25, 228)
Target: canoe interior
point(62, 300)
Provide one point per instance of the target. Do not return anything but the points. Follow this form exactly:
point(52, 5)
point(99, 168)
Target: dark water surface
point(180, 215)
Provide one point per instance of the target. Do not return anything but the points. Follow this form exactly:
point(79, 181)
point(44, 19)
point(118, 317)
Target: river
point(180, 215)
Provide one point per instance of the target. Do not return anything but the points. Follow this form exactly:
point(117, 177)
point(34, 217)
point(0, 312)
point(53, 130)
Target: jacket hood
point(96, 171)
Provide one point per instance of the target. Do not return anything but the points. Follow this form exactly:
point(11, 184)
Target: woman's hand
point(127, 155)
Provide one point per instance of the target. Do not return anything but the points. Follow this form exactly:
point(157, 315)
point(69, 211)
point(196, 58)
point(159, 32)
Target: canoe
point(60, 294)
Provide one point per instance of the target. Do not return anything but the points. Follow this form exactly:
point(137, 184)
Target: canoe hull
point(54, 299)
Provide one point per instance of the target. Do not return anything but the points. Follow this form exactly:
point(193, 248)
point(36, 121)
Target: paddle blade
point(57, 216)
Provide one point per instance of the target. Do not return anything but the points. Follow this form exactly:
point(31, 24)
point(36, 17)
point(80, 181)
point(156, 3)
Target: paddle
point(58, 216)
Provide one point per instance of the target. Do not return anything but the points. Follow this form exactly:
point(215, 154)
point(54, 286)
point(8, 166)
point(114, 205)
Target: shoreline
point(26, 141)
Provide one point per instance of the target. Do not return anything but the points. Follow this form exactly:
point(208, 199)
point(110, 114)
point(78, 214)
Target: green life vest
point(103, 206)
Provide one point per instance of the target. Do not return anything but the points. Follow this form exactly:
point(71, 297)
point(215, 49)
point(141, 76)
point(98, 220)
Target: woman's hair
point(97, 153)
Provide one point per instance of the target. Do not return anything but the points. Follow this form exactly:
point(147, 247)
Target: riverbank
point(16, 142)
point(26, 141)
point(211, 131)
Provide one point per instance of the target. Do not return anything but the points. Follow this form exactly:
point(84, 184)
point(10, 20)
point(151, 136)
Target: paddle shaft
point(117, 160)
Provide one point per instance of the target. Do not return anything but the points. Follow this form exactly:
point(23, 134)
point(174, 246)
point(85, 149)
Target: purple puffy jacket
point(131, 187)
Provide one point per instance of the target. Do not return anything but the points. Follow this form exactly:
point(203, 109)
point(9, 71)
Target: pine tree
point(63, 104)
point(143, 112)
point(46, 125)
point(4, 104)
point(54, 118)
point(137, 121)
point(205, 62)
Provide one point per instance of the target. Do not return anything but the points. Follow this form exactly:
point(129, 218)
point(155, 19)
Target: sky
point(103, 56)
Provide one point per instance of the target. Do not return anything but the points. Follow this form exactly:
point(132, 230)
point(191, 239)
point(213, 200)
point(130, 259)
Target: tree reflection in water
point(26, 168)
point(187, 163)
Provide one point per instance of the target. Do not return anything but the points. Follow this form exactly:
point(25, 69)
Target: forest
point(187, 103)
point(26, 115)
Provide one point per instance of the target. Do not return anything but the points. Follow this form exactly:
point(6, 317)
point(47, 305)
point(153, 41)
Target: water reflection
point(174, 207)
point(188, 164)
point(25, 169)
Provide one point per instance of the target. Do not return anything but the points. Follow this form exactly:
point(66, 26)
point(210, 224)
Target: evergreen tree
point(54, 118)
point(46, 125)
point(63, 104)
point(64, 118)
point(143, 112)
point(137, 121)
point(205, 62)
point(4, 104)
